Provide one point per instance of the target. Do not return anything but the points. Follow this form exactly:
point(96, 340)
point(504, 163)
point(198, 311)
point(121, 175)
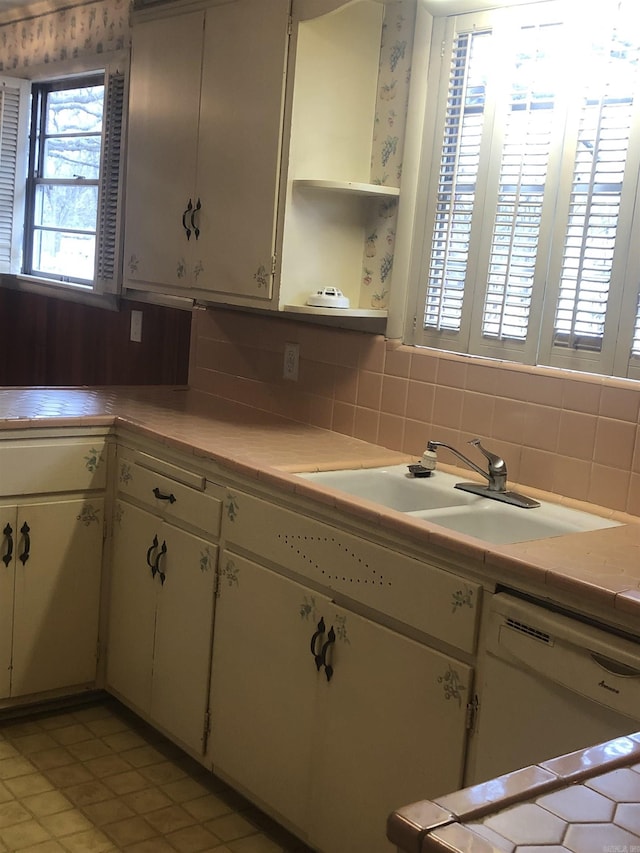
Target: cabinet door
point(132, 609)
point(57, 594)
point(162, 143)
point(244, 66)
point(183, 633)
point(392, 731)
point(8, 518)
point(264, 681)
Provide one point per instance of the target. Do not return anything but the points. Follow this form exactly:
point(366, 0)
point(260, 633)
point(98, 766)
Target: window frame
point(429, 86)
point(107, 281)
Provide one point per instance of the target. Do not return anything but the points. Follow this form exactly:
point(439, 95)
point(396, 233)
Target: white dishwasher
point(550, 684)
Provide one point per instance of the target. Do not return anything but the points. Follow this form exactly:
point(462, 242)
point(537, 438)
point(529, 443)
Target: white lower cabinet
point(50, 594)
point(161, 622)
point(326, 718)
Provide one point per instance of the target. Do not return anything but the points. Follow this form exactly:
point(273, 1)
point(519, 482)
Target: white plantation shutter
point(14, 106)
point(534, 187)
point(457, 177)
point(109, 237)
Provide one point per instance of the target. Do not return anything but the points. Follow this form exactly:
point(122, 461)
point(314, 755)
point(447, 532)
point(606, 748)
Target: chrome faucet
point(495, 475)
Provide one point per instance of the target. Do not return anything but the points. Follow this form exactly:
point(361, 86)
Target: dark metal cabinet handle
point(154, 545)
point(314, 639)
point(156, 565)
point(25, 530)
point(186, 212)
point(8, 535)
point(196, 209)
point(328, 669)
point(162, 497)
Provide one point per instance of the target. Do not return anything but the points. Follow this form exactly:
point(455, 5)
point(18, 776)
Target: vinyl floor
point(94, 778)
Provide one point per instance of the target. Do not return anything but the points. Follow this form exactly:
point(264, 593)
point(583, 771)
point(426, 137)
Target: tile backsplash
point(572, 434)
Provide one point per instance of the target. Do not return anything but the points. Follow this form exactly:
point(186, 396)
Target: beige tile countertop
point(584, 802)
point(601, 567)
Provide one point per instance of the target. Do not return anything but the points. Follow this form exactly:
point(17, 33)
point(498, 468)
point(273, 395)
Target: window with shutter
point(61, 178)
point(531, 187)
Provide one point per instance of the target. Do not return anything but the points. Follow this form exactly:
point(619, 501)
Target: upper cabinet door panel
point(241, 117)
point(162, 144)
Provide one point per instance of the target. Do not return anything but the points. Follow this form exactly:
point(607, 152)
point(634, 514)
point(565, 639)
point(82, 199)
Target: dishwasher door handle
point(614, 666)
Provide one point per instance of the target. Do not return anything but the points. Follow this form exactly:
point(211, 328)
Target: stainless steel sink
point(436, 500)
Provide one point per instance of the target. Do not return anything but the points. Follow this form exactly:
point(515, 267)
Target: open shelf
point(354, 187)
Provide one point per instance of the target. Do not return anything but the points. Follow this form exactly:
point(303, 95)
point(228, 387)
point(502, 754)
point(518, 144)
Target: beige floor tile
point(163, 773)
point(231, 827)
point(193, 839)
point(5, 794)
point(44, 847)
point(92, 841)
point(129, 831)
point(97, 711)
point(125, 783)
point(255, 844)
point(108, 725)
point(12, 812)
point(32, 783)
point(14, 729)
point(28, 744)
point(24, 834)
point(68, 774)
point(48, 803)
point(51, 758)
point(206, 808)
point(170, 819)
point(87, 793)
point(12, 767)
point(85, 750)
point(147, 800)
point(185, 789)
point(57, 721)
point(74, 733)
point(65, 823)
point(143, 756)
point(107, 765)
point(153, 845)
point(121, 741)
point(7, 750)
point(108, 811)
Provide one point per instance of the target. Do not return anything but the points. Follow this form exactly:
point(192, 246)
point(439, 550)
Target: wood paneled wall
point(48, 341)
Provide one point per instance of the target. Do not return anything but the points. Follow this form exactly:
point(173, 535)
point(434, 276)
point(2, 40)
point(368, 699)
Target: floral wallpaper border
point(86, 30)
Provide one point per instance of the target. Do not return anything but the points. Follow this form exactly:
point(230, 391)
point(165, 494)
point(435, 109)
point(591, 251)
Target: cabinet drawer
point(56, 465)
point(197, 505)
point(433, 600)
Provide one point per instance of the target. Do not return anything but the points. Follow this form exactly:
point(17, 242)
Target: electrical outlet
point(291, 361)
point(136, 327)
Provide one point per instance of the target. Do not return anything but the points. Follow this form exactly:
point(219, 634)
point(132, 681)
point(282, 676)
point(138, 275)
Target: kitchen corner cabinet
point(205, 129)
point(163, 569)
point(52, 525)
point(337, 717)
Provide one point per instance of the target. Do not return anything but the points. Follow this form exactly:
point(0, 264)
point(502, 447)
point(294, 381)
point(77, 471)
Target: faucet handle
point(497, 465)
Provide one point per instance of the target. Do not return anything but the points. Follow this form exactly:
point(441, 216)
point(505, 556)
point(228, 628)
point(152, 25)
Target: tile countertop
point(601, 567)
point(584, 802)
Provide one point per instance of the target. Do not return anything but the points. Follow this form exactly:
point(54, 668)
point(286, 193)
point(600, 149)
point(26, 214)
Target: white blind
point(111, 178)
point(596, 193)
point(459, 161)
point(524, 160)
point(13, 96)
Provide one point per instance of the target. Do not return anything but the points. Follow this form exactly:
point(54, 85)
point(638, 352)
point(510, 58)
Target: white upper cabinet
point(252, 141)
point(207, 97)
